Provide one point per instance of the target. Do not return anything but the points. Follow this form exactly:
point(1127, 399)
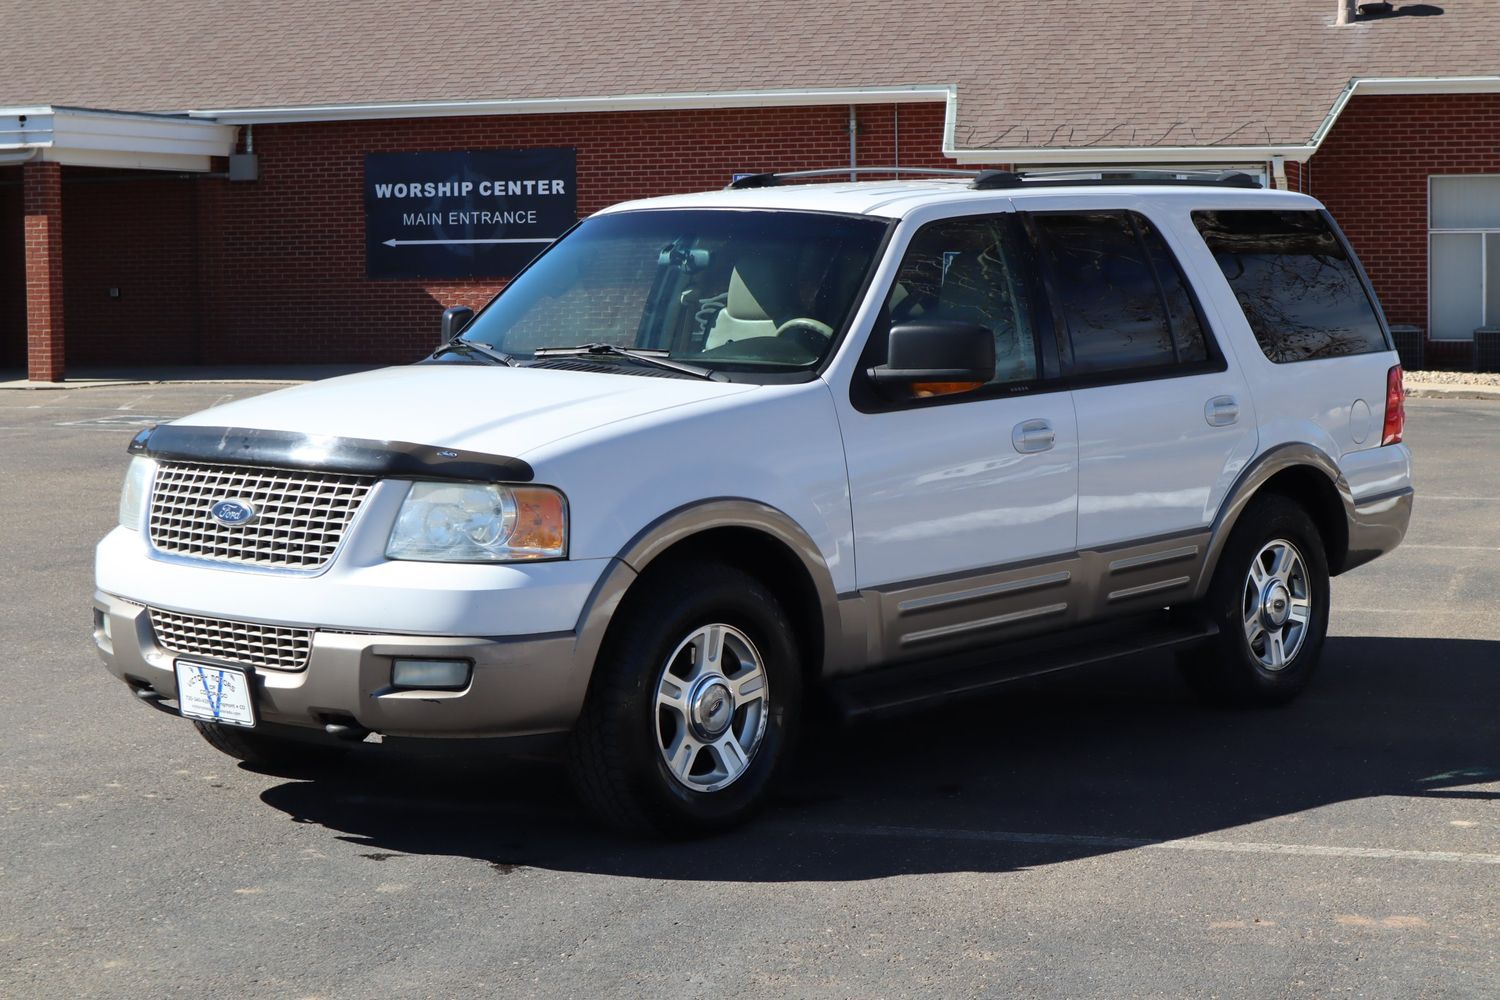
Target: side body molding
point(844, 635)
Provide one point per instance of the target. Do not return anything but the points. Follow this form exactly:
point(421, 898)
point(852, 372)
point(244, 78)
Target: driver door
point(965, 500)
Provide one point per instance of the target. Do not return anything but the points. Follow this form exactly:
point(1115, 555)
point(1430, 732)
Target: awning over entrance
point(83, 137)
point(42, 140)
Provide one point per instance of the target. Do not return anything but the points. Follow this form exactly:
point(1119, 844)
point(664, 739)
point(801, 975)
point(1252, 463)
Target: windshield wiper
point(646, 356)
point(462, 346)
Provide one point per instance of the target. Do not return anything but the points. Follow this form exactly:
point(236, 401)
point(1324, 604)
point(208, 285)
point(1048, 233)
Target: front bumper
point(521, 685)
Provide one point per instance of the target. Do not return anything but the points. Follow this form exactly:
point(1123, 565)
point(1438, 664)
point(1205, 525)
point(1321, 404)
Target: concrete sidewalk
point(93, 378)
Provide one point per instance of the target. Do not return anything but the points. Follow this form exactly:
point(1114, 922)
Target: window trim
point(1214, 361)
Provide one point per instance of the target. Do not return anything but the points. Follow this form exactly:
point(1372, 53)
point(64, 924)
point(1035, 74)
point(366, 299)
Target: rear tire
point(1270, 599)
point(693, 706)
point(274, 748)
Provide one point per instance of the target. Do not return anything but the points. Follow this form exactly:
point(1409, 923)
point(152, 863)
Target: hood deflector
point(326, 453)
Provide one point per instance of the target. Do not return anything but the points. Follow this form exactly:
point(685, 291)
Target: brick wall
point(273, 271)
point(282, 259)
point(43, 228)
point(1372, 174)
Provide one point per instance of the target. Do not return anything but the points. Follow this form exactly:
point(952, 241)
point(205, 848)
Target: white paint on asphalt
point(1134, 843)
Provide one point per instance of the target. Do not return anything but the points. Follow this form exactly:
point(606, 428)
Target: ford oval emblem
point(231, 513)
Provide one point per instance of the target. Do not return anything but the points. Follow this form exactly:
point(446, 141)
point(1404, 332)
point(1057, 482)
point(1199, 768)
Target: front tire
point(1270, 599)
point(693, 705)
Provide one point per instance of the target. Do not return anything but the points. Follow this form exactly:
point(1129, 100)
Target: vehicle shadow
point(1050, 772)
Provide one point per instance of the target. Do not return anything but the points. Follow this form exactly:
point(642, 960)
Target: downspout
point(1346, 12)
point(1278, 172)
point(896, 138)
point(12, 159)
point(853, 142)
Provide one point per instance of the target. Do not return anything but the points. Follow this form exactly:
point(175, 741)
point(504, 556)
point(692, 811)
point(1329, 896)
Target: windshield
point(725, 290)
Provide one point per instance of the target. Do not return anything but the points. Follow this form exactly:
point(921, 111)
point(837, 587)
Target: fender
point(1248, 485)
point(693, 519)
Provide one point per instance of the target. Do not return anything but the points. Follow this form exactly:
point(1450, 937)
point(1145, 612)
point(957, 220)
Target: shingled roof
point(1048, 76)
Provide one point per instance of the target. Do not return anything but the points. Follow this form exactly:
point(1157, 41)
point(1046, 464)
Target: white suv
point(890, 441)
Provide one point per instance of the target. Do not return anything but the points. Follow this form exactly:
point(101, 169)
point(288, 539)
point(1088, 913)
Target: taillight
point(1395, 407)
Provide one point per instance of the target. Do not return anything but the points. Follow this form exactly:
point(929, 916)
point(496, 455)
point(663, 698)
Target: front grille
point(300, 517)
point(272, 646)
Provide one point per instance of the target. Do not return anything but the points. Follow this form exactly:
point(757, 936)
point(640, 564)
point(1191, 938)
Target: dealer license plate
point(214, 694)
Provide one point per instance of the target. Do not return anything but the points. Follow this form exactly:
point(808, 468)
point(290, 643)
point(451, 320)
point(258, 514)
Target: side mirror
point(937, 350)
point(455, 318)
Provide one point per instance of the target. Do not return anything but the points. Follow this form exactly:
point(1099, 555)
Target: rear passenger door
point(1164, 423)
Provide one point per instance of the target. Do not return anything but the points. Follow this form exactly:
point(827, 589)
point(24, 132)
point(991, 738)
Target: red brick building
point(220, 212)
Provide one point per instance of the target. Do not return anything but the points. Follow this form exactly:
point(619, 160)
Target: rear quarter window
point(1296, 282)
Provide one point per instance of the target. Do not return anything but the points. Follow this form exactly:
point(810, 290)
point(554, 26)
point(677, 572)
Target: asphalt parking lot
point(1094, 836)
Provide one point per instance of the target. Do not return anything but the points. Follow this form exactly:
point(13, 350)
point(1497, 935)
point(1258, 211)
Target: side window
point(1121, 292)
point(968, 269)
point(1296, 283)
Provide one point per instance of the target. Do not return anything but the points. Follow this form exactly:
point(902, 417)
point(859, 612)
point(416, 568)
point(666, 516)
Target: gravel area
point(1455, 378)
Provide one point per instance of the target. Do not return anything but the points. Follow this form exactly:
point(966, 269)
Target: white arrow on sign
point(428, 243)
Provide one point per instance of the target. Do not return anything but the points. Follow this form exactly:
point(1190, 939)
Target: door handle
point(1221, 411)
point(1031, 436)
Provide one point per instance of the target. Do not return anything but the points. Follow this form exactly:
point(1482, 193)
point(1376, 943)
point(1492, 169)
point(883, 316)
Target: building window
point(1463, 269)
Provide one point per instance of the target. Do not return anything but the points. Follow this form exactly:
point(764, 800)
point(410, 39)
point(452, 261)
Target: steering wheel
point(808, 332)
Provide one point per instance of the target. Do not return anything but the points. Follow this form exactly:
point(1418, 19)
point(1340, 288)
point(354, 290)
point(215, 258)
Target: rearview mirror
point(455, 318)
point(937, 350)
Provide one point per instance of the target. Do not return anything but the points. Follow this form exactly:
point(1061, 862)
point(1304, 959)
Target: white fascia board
point(577, 105)
point(84, 137)
point(25, 128)
point(172, 162)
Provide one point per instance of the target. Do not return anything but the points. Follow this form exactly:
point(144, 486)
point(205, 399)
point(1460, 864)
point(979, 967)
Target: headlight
point(472, 522)
point(137, 489)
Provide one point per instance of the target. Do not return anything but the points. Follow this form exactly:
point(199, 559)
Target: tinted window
point(968, 269)
point(1296, 283)
point(1187, 326)
point(1106, 288)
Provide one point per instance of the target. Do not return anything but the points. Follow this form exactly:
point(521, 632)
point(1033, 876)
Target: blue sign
point(478, 214)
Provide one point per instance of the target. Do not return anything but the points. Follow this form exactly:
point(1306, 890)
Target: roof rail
point(1002, 180)
point(993, 180)
point(773, 179)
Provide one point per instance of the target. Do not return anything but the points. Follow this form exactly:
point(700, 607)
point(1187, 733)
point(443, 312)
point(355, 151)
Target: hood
point(477, 408)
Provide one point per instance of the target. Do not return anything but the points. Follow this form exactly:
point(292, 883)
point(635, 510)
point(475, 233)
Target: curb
point(1433, 390)
point(112, 384)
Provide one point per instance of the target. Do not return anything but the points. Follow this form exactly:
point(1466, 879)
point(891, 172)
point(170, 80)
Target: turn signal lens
point(1395, 407)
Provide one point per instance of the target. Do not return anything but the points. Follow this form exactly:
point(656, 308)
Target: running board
point(914, 686)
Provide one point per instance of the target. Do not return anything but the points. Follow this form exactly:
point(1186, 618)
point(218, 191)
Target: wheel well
point(1311, 489)
point(770, 561)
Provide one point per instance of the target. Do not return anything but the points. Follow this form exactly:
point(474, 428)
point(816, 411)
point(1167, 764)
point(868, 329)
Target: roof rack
point(773, 179)
point(1003, 180)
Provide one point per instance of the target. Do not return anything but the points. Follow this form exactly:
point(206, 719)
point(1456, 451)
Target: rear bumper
point(1376, 526)
point(522, 685)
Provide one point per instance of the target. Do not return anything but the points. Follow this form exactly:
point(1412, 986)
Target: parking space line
point(1459, 548)
point(1133, 843)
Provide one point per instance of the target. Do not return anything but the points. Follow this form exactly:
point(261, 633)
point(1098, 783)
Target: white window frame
point(1484, 235)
